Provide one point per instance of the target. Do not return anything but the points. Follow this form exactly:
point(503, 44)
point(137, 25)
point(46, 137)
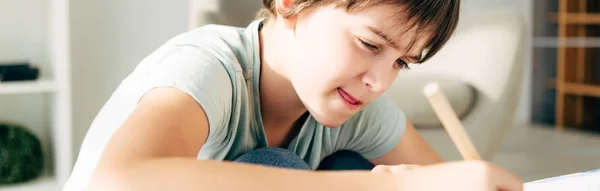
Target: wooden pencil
point(450, 121)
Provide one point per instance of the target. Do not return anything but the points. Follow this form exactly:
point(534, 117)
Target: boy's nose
point(376, 79)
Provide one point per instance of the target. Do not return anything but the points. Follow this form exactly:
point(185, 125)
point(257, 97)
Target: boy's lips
point(348, 98)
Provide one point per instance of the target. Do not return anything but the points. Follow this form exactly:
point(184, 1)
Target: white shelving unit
point(54, 86)
point(25, 87)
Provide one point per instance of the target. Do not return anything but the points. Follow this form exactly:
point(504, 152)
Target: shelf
point(569, 42)
point(42, 38)
point(578, 88)
point(43, 183)
point(27, 87)
point(577, 18)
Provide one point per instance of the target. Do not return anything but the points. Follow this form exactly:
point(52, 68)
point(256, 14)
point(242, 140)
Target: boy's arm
point(188, 174)
point(156, 149)
point(412, 149)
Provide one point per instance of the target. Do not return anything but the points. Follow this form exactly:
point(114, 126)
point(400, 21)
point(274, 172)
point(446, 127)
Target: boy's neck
point(280, 105)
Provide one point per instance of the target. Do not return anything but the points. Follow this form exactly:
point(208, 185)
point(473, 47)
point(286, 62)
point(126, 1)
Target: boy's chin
point(330, 121)
point(330, 114)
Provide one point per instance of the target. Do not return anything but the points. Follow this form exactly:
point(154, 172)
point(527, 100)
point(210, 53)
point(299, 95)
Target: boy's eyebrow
point(385, 37)
point(389, 41)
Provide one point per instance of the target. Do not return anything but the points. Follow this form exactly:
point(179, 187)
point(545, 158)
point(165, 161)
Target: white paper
point(584, 181)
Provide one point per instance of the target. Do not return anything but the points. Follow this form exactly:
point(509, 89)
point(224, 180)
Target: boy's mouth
point(348, 98)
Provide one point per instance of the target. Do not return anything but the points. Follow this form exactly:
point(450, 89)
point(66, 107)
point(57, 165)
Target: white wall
point(228, 12)
point(109, 38)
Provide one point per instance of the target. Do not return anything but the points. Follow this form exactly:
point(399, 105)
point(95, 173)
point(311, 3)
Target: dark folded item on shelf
point(18, 72)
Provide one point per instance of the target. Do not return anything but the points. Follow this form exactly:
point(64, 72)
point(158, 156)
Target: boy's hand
point(394, 169)
point(460, 175)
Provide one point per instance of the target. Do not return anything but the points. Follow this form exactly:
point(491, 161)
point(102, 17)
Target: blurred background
point(521, 74)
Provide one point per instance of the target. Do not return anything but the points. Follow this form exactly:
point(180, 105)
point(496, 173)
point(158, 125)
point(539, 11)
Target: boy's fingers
point(393, 169)
point(508, 182)
point(381, 169)
point(401, 168)
point(505, 180)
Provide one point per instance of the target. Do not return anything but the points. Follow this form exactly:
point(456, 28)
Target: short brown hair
point(437, 17)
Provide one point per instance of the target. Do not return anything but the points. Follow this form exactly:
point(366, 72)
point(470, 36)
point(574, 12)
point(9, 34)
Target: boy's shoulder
point(215, 36)
point(211, 31)
point(231, 45)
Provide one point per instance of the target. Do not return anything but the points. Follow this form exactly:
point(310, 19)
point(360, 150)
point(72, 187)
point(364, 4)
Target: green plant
point(21, 155)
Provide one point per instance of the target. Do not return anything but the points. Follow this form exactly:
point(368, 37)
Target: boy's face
point(339, 64)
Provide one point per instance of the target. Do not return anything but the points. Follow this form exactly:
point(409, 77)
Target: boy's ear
point(282, 6)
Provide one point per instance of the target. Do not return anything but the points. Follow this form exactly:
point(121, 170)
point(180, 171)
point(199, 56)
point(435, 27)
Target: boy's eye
point(369, 46)
point(402, 64)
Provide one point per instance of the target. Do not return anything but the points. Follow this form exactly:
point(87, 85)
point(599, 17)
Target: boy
point(291, 102)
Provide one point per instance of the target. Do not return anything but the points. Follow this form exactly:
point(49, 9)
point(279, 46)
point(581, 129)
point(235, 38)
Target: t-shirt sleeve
point(374, 131)
point(200, 74)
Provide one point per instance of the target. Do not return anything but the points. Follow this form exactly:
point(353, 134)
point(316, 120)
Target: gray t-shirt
point(219, 67)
